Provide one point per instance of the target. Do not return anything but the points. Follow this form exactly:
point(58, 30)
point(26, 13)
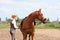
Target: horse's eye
point(41, 14)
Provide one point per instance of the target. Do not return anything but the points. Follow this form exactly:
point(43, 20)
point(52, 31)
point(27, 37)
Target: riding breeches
point(12, 33)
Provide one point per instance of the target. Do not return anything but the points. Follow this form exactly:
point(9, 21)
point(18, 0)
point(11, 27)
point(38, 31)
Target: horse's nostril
point(44, 19)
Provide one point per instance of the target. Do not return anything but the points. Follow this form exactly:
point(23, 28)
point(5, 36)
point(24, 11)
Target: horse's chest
point(27, 24)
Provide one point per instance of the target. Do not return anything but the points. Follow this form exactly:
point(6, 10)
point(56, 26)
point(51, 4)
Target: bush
point(44, 26)
point(50, 25)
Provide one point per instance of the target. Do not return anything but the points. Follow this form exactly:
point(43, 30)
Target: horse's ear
point(39, 9)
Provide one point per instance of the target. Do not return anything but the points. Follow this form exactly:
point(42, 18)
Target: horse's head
point(40, 16)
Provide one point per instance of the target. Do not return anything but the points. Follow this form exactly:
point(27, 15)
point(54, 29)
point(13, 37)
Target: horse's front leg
point(32, 36)
point(24, 36)
point(29, 36)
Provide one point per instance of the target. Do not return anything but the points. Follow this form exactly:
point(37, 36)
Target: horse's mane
point(31, 14)
point(24, 19)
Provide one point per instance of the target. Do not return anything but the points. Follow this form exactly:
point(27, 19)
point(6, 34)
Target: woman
point(13, 27)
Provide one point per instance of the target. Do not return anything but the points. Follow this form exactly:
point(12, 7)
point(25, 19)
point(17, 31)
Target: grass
point(39, 26)
point(48, 26)
point(4, 26)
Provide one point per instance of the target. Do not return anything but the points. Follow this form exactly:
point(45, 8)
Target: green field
point(3, 26)
point(39, 26)
point(48, 26)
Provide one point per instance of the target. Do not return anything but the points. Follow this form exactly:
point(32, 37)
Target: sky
point(22, 8)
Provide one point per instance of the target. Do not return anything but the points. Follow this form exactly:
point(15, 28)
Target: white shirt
point(14, 23)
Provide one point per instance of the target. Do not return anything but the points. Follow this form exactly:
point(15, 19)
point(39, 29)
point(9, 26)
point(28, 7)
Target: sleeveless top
point(12, 25)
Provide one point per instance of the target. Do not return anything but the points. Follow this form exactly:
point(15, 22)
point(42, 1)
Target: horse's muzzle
point(44, 21)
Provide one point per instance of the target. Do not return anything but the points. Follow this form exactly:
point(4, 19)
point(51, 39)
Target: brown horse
point(27, 24)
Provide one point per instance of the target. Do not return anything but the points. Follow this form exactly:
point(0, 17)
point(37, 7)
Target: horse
point(27, 24)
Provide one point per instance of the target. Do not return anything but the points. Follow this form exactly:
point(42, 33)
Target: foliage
point(19, 20)
point(0, 19)
point(39, 22)
point(39, 26)
point(8, 19)
point(48, 20)
point(48, 26)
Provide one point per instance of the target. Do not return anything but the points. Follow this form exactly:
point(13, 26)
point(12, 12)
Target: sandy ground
point(40, 34)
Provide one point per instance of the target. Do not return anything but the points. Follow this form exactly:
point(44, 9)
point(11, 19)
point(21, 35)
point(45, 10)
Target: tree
point(48, 20)
point(19, 20)
point(8, 19)
point(57, 19)
point(0, 19)
point(37, 21)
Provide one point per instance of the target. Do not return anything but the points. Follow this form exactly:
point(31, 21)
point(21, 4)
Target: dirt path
point(40, 34)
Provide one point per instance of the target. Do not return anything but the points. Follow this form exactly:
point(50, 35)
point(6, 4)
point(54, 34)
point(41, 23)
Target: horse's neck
point(31, 18)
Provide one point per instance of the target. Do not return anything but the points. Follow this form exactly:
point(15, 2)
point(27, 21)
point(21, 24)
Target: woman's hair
point(14, 16)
